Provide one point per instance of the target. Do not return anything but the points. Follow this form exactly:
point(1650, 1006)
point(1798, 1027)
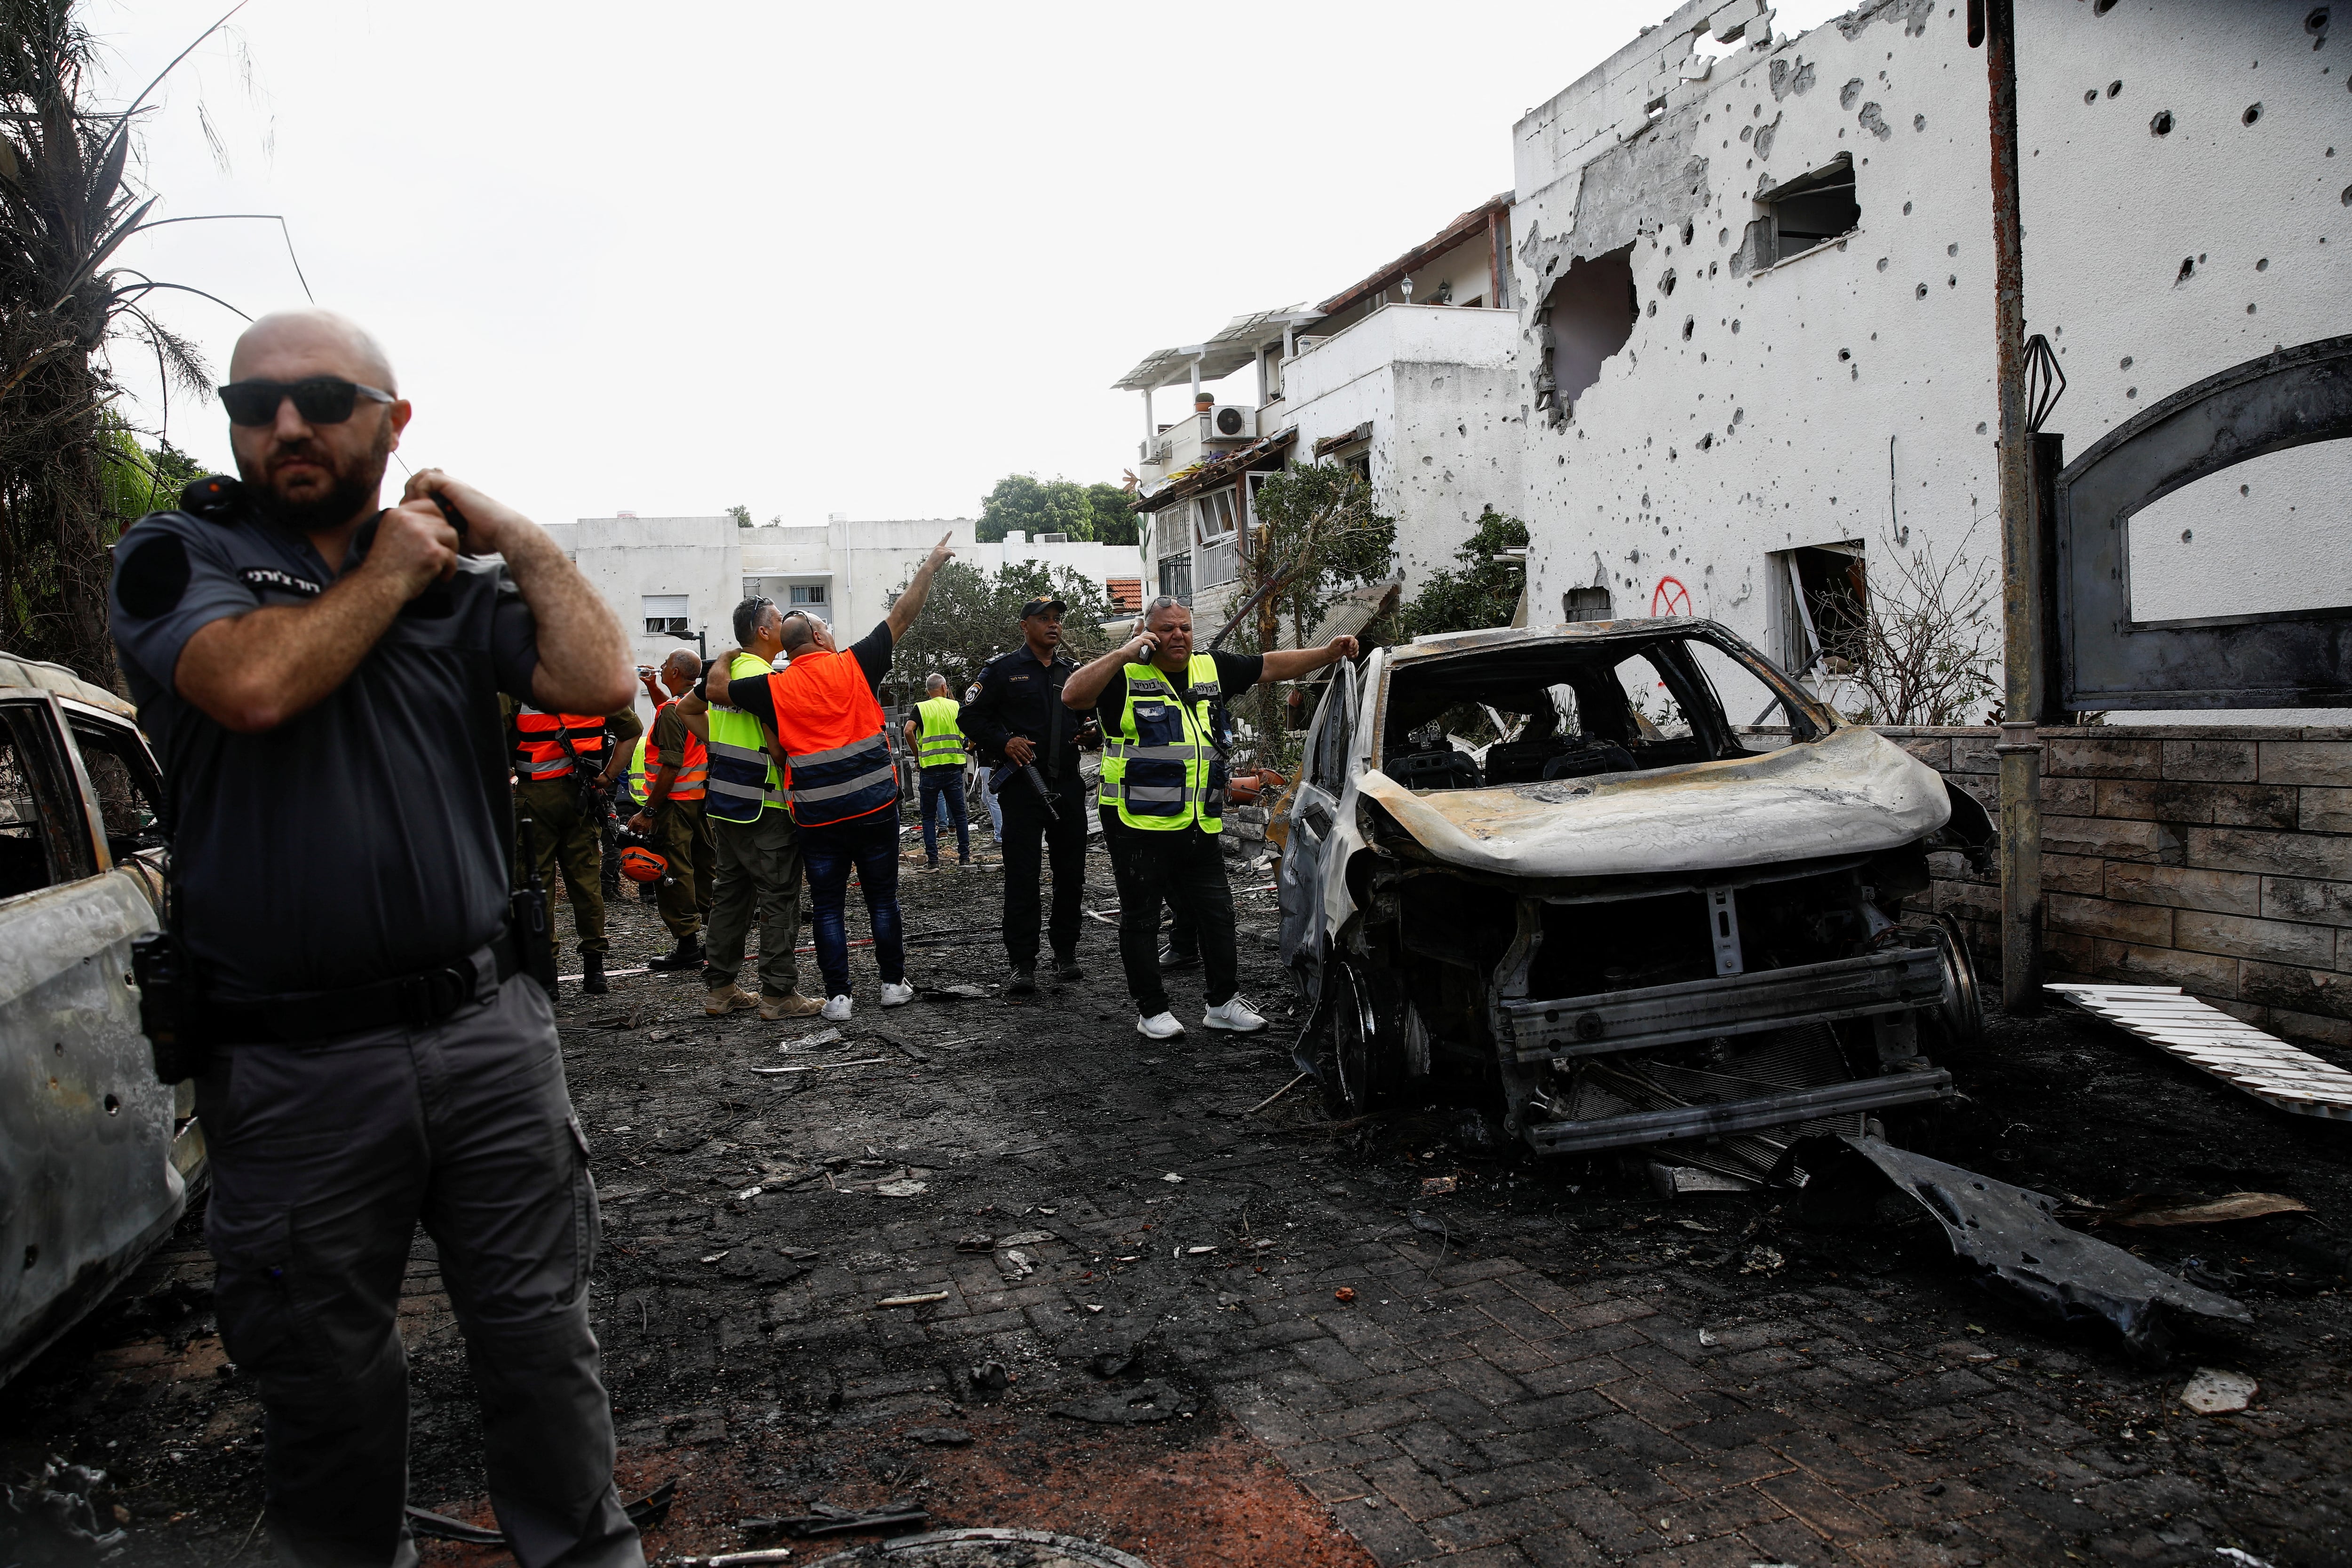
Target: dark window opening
point(1828, 603)
point(1176, 577)
point(1586, 605)
point(1587, 317)
point(1806, 213)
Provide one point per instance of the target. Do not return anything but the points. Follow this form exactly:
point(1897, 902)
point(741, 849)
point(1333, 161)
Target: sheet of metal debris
point(990, 1548)
point(2228, 1048)
point(2011, 1232)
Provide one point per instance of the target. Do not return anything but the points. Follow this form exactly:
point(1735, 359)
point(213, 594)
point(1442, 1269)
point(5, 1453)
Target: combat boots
point(687, 955)
point(592, 975)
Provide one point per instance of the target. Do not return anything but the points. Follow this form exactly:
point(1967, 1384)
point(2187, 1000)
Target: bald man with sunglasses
point(374, 1055)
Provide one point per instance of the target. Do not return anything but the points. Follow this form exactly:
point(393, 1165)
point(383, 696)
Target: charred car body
point(1651, 902)
point(97, 1157)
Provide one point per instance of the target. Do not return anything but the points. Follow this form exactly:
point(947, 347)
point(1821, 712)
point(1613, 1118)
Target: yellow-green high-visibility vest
point(940, 741)
point(1162, 769)
point(637, 769)
point(742, 775)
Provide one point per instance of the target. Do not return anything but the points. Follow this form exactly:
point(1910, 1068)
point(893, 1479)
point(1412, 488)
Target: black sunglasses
point(320, 400)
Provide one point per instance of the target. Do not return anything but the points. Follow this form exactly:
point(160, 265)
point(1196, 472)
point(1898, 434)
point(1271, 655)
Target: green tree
point(972, 615)
point(68, 201)
point(1480, 591)
point(1111, 514)
point(742, 515)
point(1319, 535)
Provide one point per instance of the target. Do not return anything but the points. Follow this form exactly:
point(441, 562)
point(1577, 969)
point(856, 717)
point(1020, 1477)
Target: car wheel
point(1365, 1058)
point(1959, 1013)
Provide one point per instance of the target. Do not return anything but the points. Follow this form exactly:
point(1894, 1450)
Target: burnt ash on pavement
point(1007, 1261)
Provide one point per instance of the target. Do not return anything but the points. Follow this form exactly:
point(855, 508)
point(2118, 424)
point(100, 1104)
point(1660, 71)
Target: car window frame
point(64, 767)
point(93, 813)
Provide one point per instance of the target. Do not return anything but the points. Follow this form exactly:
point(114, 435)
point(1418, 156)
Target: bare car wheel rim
point(1352, 1040)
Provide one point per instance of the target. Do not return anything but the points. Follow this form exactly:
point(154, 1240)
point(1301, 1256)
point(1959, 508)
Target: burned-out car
point(1626, 883)
point(97, 1157)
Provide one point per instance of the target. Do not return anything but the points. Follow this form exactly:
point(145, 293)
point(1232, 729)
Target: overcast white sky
point(860, 260)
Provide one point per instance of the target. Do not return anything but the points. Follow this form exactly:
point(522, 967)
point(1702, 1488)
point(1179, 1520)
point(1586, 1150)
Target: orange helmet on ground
point(641, 865)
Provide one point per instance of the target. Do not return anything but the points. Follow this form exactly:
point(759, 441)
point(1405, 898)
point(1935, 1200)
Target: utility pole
point(1994, 23)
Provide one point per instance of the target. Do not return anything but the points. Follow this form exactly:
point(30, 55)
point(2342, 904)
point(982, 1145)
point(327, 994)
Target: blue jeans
point(869, 844)
point(944, 785)
point(988, 798)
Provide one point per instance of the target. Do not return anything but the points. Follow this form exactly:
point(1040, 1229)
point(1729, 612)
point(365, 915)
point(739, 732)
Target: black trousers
point(1186, 871)
point(1030, 838)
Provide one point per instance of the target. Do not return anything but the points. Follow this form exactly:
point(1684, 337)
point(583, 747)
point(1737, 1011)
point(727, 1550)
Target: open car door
point(1313, 810)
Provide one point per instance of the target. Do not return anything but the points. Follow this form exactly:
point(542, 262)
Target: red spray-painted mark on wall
point(1670, 597)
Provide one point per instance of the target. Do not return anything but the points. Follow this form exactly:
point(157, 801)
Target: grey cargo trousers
point(325, 1158)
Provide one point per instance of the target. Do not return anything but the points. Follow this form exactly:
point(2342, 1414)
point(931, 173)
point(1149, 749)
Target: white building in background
point(675, 581)
point(1749, 284)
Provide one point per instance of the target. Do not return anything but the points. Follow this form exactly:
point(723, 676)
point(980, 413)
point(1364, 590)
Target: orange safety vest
point(832, 730)
point(539, 745)
point(693, 780)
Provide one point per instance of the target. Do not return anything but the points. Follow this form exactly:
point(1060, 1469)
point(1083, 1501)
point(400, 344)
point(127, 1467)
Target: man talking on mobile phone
point(377, 1058)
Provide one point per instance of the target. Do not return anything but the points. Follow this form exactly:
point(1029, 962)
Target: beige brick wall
point(2216, 858)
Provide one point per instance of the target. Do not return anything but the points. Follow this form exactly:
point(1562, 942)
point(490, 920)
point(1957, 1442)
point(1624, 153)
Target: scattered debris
point(941, 1436)
point(2215, 1391)
point(1706, 1338)
point(965, 990)
point(1762, 1261)
point(820, 1066)
point(1111, 1363)
point(902, 1187)
point(1435, 1186)
point(715, 1257)
point(1000, 1547)
point(1277, 1094)
point(2011, 1234)
point(1172, 1177)
point(1141, 1405)
point(60, 1497)
point(1015, 1264)
point(644, 1513)
point(740, 1559)
point(2242, 1559)
point(2147, 1211)
point(1026, 1238)
point(823, 1037)
point(826, 1519)
point(1448, 1233)
point(2213, 1042)
point(978, 1242)
point(1344, 1293)
point(1674, 1181)
point(919, 1299)
point(656, 1036)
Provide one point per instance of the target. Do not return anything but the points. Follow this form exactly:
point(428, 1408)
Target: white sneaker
point(1159, 1026)
point(896, 995)
point(837, 1012)
point(1233, 1014)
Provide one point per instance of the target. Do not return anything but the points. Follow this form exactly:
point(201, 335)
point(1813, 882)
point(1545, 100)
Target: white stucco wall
point(1775, 422)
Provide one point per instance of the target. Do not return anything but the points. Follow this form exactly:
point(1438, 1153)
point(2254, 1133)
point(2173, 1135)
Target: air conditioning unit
point(1230, 422)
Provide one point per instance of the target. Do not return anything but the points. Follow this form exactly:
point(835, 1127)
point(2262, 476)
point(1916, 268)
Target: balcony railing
point(1216, 563)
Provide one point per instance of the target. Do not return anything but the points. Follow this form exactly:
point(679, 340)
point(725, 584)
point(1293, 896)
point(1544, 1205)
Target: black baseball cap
point(1039, 607)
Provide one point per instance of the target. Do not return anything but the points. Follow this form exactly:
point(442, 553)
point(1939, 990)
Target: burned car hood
point(1853, 792)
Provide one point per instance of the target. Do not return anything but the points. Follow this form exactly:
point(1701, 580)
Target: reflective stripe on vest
point(832, 732)
point(637, 765)
point(539, 743)
point(1161, 769)
point(938, 742)
point(693, 776)
point(742, 776)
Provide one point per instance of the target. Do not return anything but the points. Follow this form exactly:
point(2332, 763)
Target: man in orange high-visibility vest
point(566, 808)
point(677, 778)
point(842, 788)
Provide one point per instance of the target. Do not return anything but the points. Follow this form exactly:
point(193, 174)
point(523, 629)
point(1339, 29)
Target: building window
point(808, 593)
point(1808, 212)
point(1586, 605)
point(1212, 516)
point(1176, 577)
point(1586, 319)
point(665, 615)
point(1820, 608)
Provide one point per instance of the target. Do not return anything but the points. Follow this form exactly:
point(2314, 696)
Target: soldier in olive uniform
point(550, 751)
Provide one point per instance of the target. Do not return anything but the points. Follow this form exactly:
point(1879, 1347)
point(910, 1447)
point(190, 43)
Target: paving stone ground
point(1549, 1365)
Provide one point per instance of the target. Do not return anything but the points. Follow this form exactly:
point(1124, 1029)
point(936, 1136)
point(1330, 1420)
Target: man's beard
point(353, 489)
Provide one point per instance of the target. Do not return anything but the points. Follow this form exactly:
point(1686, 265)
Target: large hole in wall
point(2266, 533)
point(1593, 308)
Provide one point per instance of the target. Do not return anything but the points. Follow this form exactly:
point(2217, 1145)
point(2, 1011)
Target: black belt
point(418, 1000)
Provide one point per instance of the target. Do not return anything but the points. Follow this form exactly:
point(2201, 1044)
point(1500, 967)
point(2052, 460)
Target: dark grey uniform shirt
point(355, 841)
